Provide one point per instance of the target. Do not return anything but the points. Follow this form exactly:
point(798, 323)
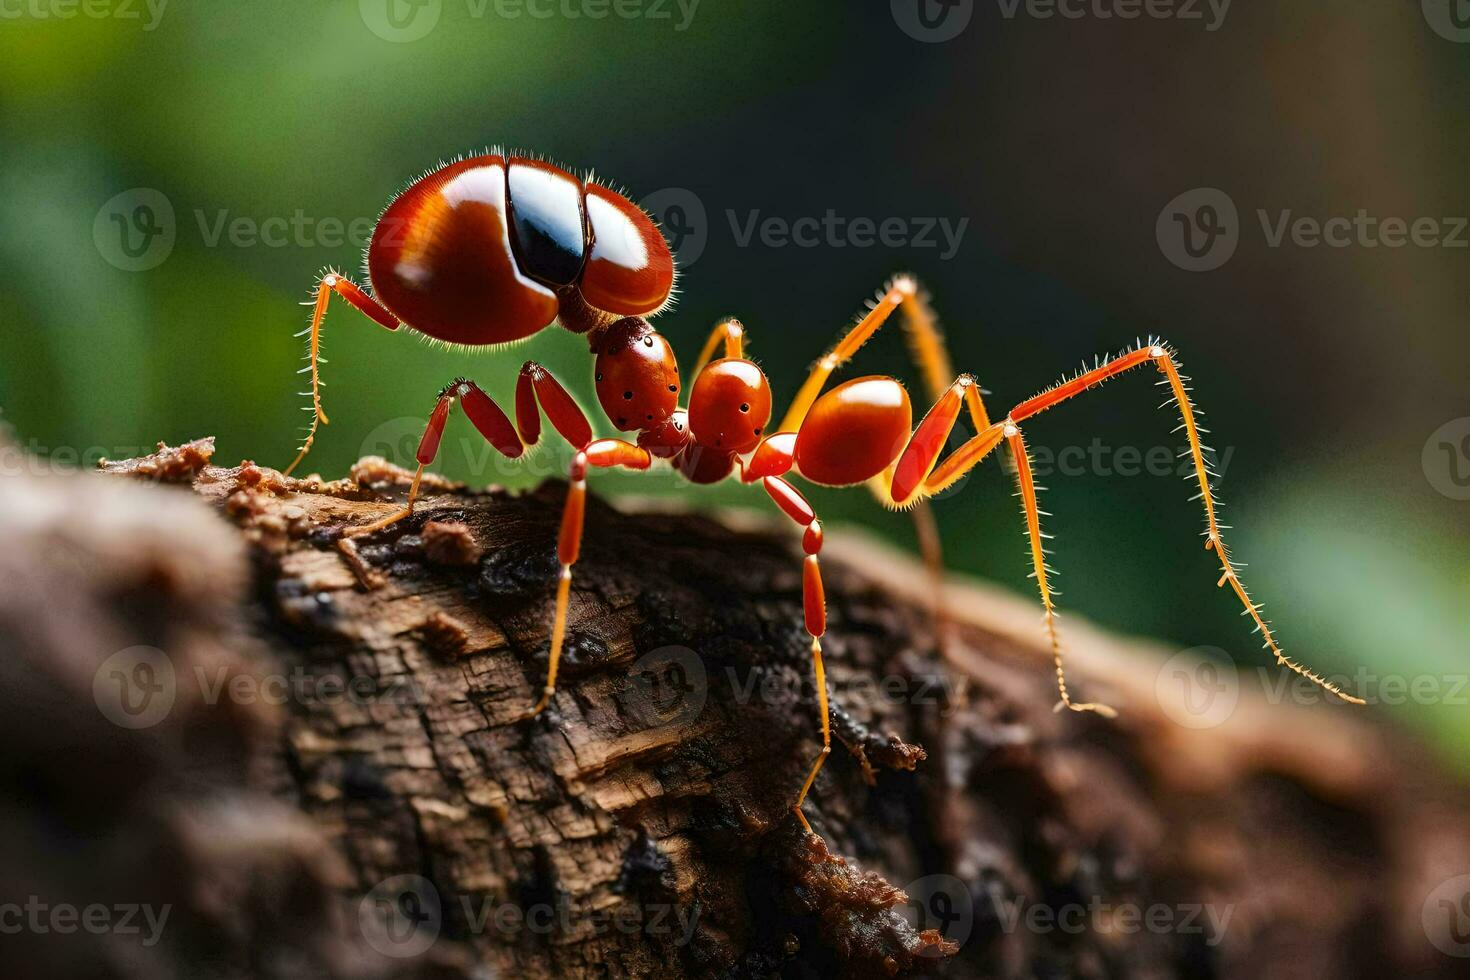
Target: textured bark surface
point(347, 782)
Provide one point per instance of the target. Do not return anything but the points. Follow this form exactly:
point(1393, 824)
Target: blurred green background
point(269, 128)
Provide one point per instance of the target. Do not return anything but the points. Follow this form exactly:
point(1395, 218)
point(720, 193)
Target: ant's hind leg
point(331, 282)
point(1162, 359)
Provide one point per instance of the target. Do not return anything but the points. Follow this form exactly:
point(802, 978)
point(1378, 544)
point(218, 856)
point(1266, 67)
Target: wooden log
point(346, 779)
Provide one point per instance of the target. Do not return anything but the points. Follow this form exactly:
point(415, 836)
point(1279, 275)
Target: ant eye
point(745, 407)
point(599, 377)
point(647, 341)
point(649, 416)
point(627, 396)
point(673, 387)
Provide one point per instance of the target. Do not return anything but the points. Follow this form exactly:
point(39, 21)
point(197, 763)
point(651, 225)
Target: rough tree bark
point(345, 780)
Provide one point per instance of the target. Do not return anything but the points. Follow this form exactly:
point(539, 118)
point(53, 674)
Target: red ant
point(495, 248)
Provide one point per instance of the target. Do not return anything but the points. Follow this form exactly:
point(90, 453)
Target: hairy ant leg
point(331, 282)
point(918, 473)
point(931, 355)
point(1164, 361)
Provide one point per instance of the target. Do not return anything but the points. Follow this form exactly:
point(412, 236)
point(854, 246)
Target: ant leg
point(1163, 359)
point(925, 342)
point(918, 473)
point(536, 384)
point(603, 453)
point(487, 418)
point(329, 283)
point(1040, 570)
point(814, 608)
point(927, 347)
point(728, 331)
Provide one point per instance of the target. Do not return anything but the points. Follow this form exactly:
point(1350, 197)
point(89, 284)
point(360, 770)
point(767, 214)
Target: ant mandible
point(496, 247)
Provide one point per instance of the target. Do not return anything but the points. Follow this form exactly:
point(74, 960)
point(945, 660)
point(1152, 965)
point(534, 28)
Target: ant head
point(730, 405)
point(636, 374)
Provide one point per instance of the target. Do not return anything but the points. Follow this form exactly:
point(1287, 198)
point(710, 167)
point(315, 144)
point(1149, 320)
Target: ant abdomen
point(482, 251)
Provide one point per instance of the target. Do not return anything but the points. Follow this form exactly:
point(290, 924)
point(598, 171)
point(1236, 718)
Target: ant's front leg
point(600, 453)
point(331, 282)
